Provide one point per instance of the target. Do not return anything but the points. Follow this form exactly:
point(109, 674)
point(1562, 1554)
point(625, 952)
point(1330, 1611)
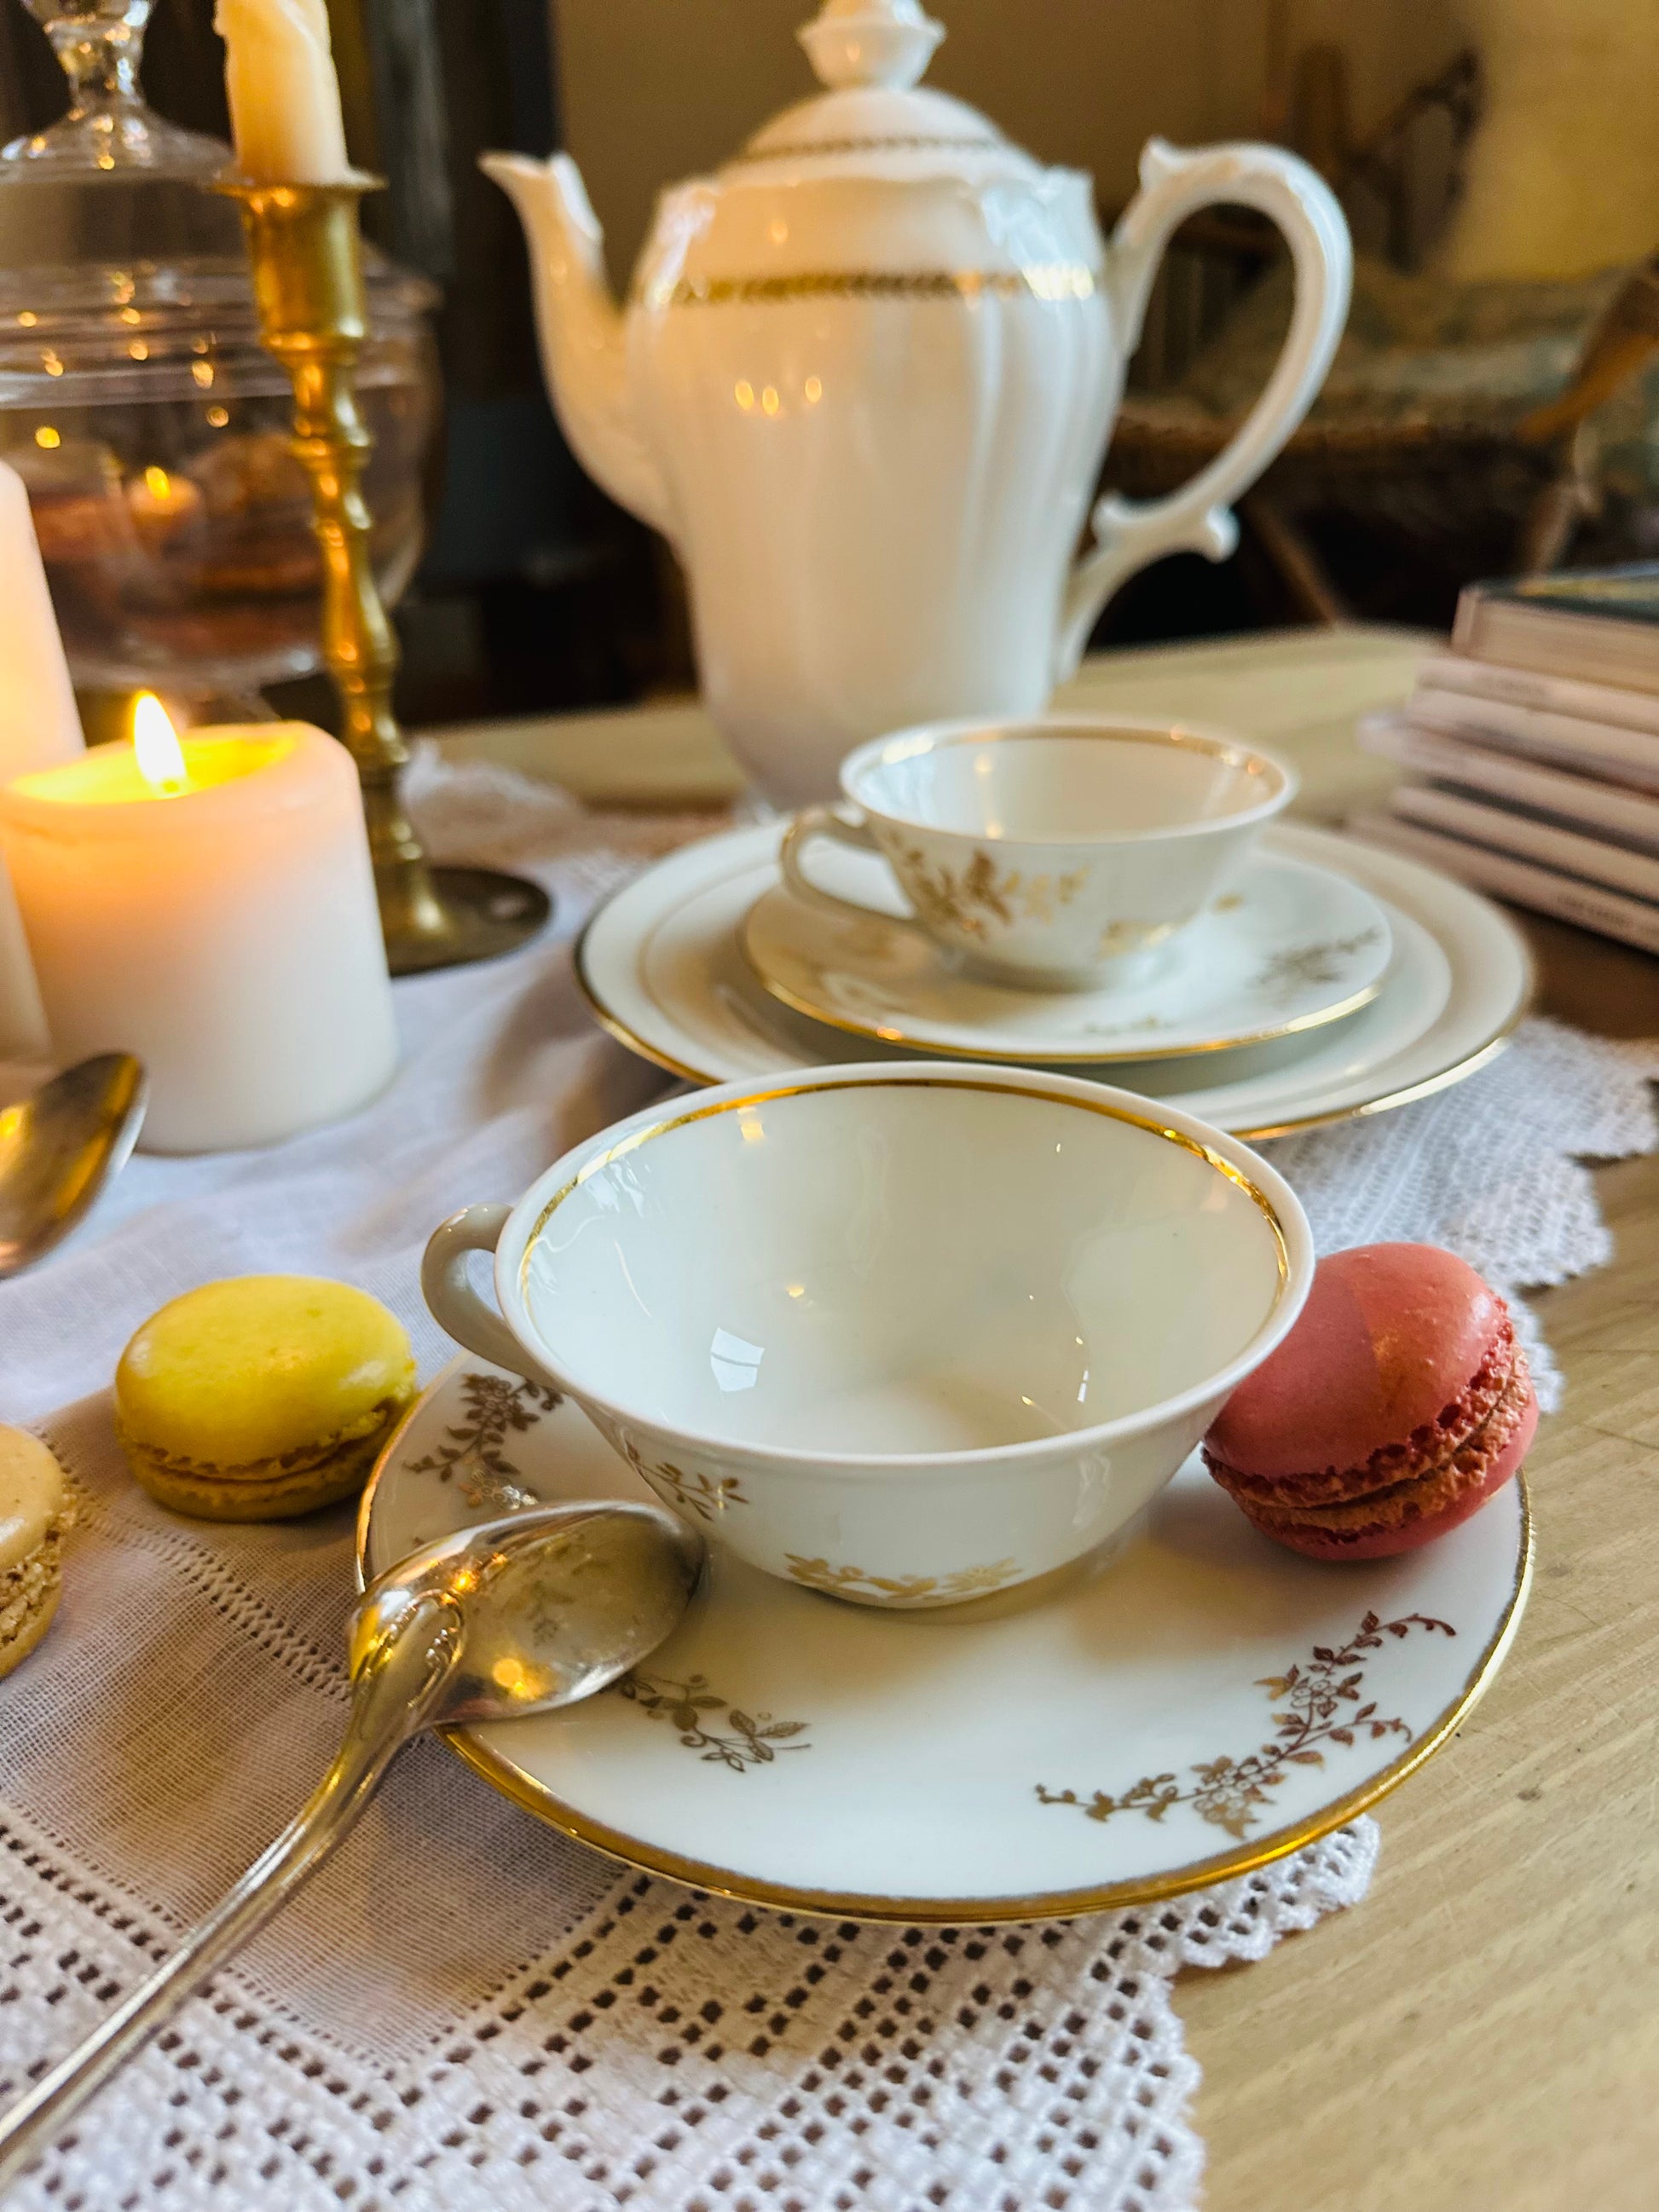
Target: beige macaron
point(35, 1513)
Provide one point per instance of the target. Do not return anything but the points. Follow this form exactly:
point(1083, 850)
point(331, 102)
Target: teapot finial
point(858, 42)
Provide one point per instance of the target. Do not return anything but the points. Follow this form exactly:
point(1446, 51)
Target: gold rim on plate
point(1441, 1078)
point(721, 1882)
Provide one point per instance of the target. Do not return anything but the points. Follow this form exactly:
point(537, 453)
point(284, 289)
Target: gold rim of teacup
point(1001, 1082)
point(1127, 729)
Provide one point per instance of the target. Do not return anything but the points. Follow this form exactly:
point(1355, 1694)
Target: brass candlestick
point(308, 280)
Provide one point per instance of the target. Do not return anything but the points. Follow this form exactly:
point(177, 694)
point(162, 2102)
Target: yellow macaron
point(34, 1512)
point(263, 1396)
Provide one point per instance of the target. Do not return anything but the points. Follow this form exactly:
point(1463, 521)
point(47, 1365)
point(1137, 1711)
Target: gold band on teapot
point(1041, 280)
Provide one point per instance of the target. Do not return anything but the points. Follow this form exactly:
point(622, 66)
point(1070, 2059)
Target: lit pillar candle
point(39, 725)
point(284, 96)
point(209, 907)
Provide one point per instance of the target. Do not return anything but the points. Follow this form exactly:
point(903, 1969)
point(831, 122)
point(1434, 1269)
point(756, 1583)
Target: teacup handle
point(457, 1307)
point(843, 829)
point(1129, 533)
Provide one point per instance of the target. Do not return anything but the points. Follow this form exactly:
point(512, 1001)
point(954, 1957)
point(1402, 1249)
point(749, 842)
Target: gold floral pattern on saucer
point(902, 1589)
point(471, 1451)
point(746, 1740)
point(1231, 1793)
point(1284, 974)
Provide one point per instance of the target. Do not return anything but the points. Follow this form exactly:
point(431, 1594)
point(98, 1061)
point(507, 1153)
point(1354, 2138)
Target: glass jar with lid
point(149, 425)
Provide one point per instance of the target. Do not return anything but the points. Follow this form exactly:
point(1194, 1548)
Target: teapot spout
point(580, 329)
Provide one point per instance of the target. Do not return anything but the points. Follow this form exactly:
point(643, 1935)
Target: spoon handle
point(394, 1694)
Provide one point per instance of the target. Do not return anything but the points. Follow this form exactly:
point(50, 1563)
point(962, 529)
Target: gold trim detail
point(1085, 728)
point(1228, 1792)
point(1049, 281)
point(690, 1707)
point(747, 1102)
point(533, 1796)
point(916, 143)
point(898, 1591)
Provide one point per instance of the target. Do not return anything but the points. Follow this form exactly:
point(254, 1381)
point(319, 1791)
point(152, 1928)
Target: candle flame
point(155, 481)
point(161, 757)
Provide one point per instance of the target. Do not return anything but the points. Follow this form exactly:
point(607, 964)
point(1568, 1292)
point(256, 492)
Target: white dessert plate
point(663, 969)
point(1291, 947)
point(1193, 1705)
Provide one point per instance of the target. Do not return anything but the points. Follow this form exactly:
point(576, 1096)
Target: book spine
point(1613, 866)
point(1579, 801)
point(1631, 922)
point(1555, 695)
point(1595, 748)
point(1587, 642)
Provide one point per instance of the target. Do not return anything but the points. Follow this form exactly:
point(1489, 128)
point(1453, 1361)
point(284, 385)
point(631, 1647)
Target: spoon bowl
point(59, 1147)
point(555, 1605)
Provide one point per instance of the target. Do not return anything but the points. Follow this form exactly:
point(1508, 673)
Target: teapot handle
point(1129, 533)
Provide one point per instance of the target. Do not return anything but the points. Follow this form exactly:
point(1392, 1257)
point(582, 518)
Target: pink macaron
point(1394, 1409)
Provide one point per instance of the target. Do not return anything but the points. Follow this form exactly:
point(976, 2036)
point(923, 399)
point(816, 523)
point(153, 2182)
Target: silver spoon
point(58, 1150)
point(517, 1616)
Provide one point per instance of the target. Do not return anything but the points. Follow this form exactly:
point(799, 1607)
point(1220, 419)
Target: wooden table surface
point(1482, 2034)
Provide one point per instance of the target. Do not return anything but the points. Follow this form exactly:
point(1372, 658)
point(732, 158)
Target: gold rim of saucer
point(535, 1797)
point(931, 1047)
point(1443, 1078)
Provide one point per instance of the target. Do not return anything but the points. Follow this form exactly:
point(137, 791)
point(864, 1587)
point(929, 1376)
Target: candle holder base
point(465, 914)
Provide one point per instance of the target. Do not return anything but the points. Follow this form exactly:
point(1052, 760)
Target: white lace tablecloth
point(467, 2010)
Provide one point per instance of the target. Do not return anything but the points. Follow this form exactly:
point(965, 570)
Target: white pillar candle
point(214, 913)
point(39, 725)
point(284, 96)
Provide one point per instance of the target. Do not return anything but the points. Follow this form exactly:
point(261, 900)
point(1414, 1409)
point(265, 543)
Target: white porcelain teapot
point(864, 385)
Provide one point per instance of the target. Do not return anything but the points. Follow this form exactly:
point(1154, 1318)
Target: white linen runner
point(465, 2010)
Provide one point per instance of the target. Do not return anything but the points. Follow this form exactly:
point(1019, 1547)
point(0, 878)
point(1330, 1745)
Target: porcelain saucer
point(1290, 947)
point(1193, 1705)
point(663, 969)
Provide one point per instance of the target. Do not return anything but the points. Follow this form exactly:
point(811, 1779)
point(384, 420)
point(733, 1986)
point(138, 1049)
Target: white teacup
point(1053, 854)
point(907, 1335)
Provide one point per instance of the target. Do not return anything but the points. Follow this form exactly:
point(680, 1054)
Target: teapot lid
point(874, 118)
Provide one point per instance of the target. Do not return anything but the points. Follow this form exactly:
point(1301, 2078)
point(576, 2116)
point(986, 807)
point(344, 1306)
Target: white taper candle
point(284, 95)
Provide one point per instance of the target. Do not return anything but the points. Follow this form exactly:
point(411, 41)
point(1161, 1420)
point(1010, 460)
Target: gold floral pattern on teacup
point(981, 894)
point(868, 1588)
point(695, 1492)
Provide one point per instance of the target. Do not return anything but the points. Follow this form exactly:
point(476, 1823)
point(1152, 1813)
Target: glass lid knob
point(109, 125)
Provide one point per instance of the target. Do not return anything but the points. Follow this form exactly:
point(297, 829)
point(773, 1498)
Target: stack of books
point(1532, 749)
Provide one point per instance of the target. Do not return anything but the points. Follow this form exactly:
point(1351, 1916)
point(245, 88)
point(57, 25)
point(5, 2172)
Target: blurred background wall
point(1082, 81)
